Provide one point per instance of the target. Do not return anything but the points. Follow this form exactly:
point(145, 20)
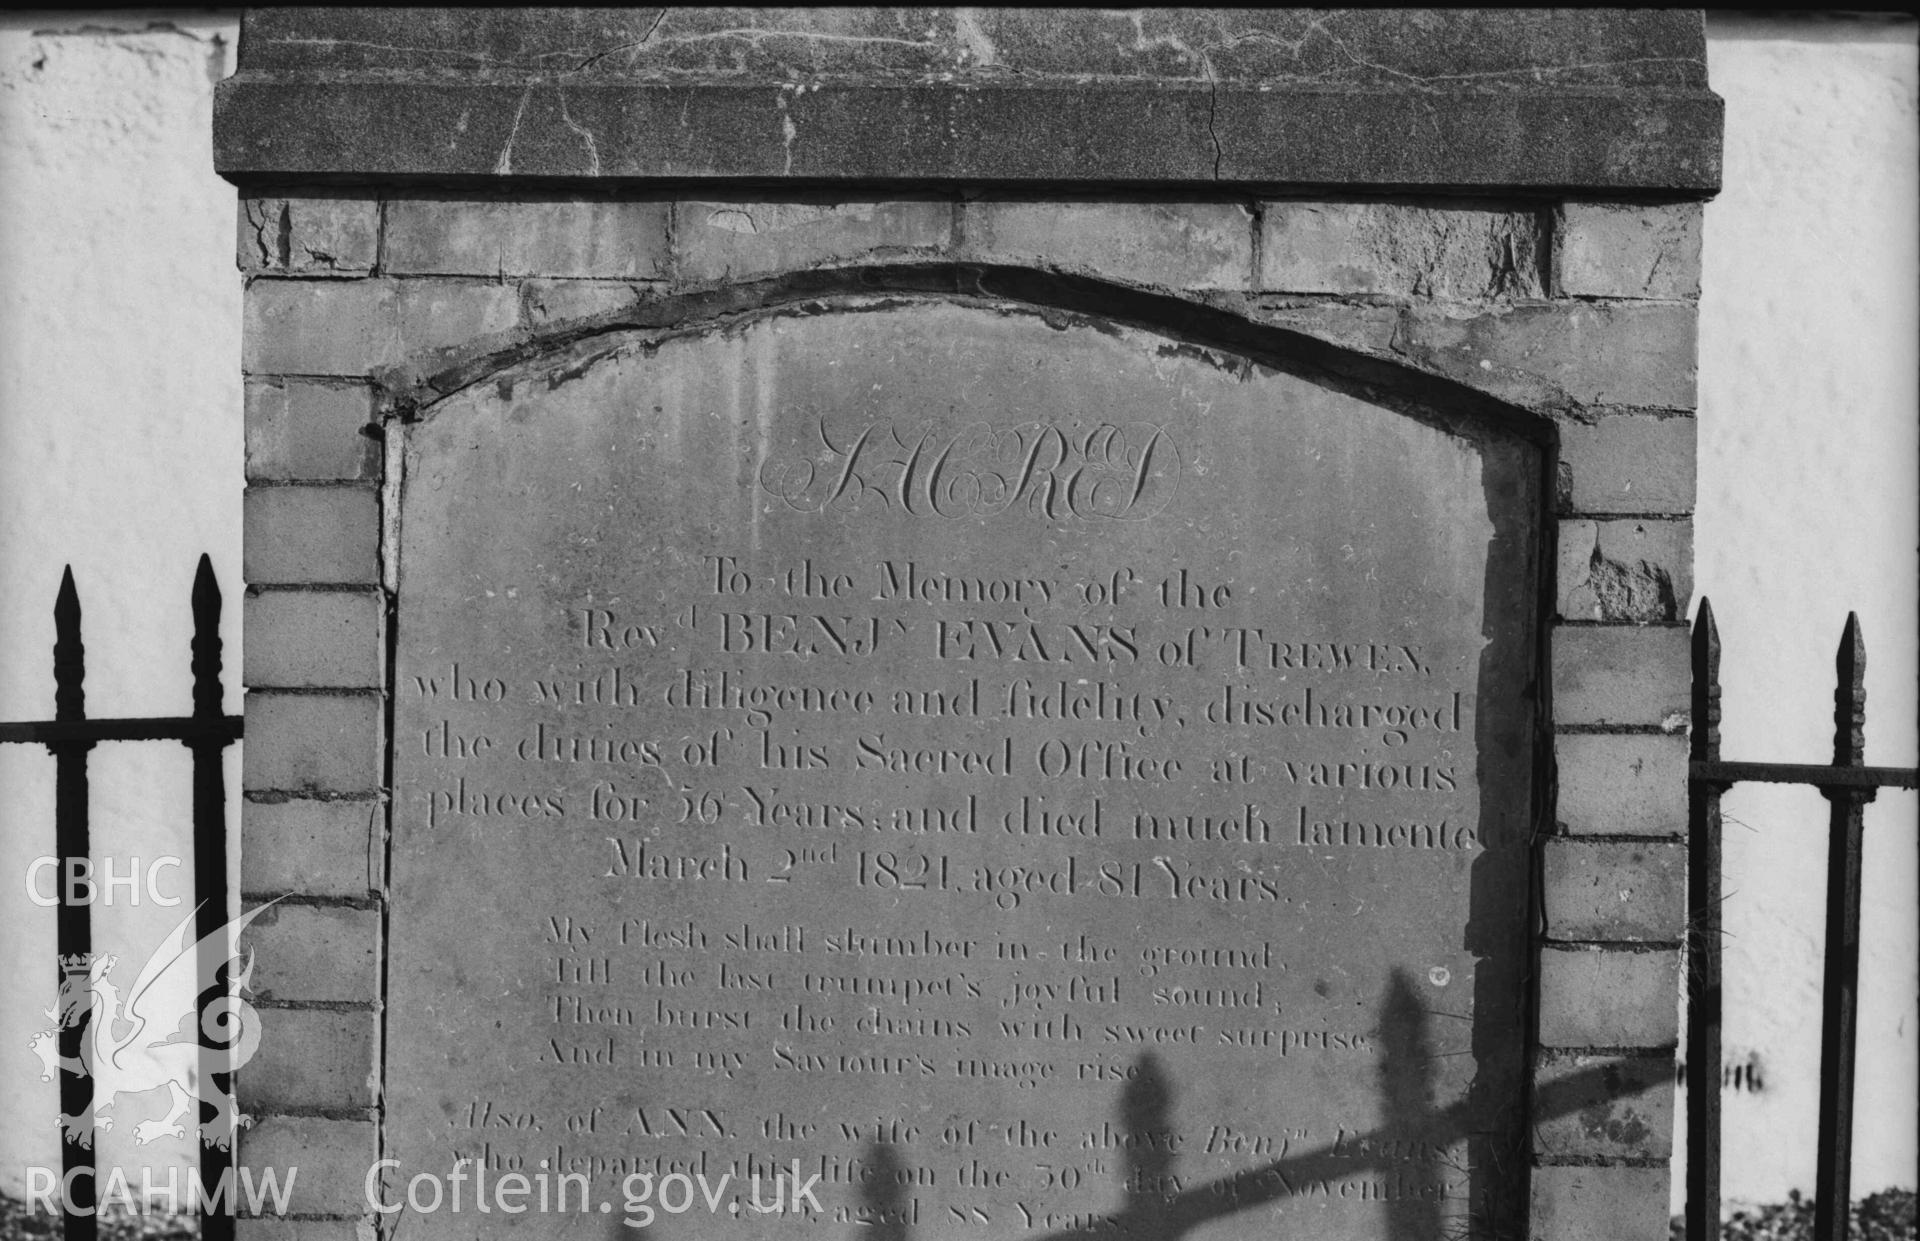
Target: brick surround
point(1575, 311)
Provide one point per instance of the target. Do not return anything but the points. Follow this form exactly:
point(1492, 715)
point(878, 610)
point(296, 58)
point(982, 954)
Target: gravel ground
point(19, 1224)
point(1885, 1216)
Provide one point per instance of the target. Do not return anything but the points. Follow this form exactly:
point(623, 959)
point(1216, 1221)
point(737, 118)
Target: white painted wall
point(120, 452)
point(1810, 506)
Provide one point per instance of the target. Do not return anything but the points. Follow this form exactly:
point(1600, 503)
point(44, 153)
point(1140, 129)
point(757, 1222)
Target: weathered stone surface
point(1254, 98)
point(1614, 892)
point(311, 1059)
point(317, 848)
point(1548, 355)
point(316, 953)
point(1400, 250)
point(611, 239)
point(1633, 784)
point(1622, 676)
point(743, 238)
point(312, 745)
point(1367, 329)
point(956, 716)
point(1601, 998)
point(275, 1228)
point(333, 1157)
point(1598, 1203)
point(314, 639)
point(1628, 464)
point(319, 233)
point(548, 303)
point(1172, 245)
point(299, 430)
point(297, 536)
point(1632, 570)
point(1627, 250)
point(313, 327)
point(1014, 135)
point(1603, 1107)
point(1349, 48)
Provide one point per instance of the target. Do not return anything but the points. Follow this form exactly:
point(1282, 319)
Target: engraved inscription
point(1163, 850)
point(1049, 470)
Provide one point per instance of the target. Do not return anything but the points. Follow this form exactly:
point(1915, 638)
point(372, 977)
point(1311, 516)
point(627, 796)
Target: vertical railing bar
point(1704, 996)
point(1833, 1187)
point(210, 891)
point(73, 932)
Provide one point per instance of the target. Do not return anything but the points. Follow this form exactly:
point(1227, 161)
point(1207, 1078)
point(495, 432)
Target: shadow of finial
point(1407, 1112)
point(1406, 1058)
point(885, 1206)
point(1146, 1124)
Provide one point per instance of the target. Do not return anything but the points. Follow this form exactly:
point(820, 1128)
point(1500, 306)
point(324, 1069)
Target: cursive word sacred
point(1118, 472)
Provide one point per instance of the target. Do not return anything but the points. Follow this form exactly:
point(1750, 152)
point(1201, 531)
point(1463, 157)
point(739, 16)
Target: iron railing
point(70, 735)
point(1848, 784)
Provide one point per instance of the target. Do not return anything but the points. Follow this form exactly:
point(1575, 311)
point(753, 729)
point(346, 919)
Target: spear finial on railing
point(1840, 988)
point(69, 654)
point(1704, 996)
point(1850, 697)
point(1706, 685)
point(207, 694)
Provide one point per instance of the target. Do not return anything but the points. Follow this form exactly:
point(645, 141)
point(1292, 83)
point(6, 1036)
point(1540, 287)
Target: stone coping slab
point(1462, 100)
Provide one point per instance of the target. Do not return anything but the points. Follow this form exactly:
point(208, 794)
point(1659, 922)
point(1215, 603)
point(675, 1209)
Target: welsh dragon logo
point(146, 1040)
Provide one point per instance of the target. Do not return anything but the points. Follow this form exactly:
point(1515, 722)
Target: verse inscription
point(959, 775)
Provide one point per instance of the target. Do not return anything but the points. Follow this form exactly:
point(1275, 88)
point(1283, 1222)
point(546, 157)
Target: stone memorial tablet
point(933, 766)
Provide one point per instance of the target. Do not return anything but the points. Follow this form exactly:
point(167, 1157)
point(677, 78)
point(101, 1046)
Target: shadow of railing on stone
point(1406, 1078)
point(1154, 1208)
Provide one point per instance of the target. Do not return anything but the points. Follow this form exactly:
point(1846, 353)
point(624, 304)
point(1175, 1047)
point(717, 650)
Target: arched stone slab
point(1029, 773)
